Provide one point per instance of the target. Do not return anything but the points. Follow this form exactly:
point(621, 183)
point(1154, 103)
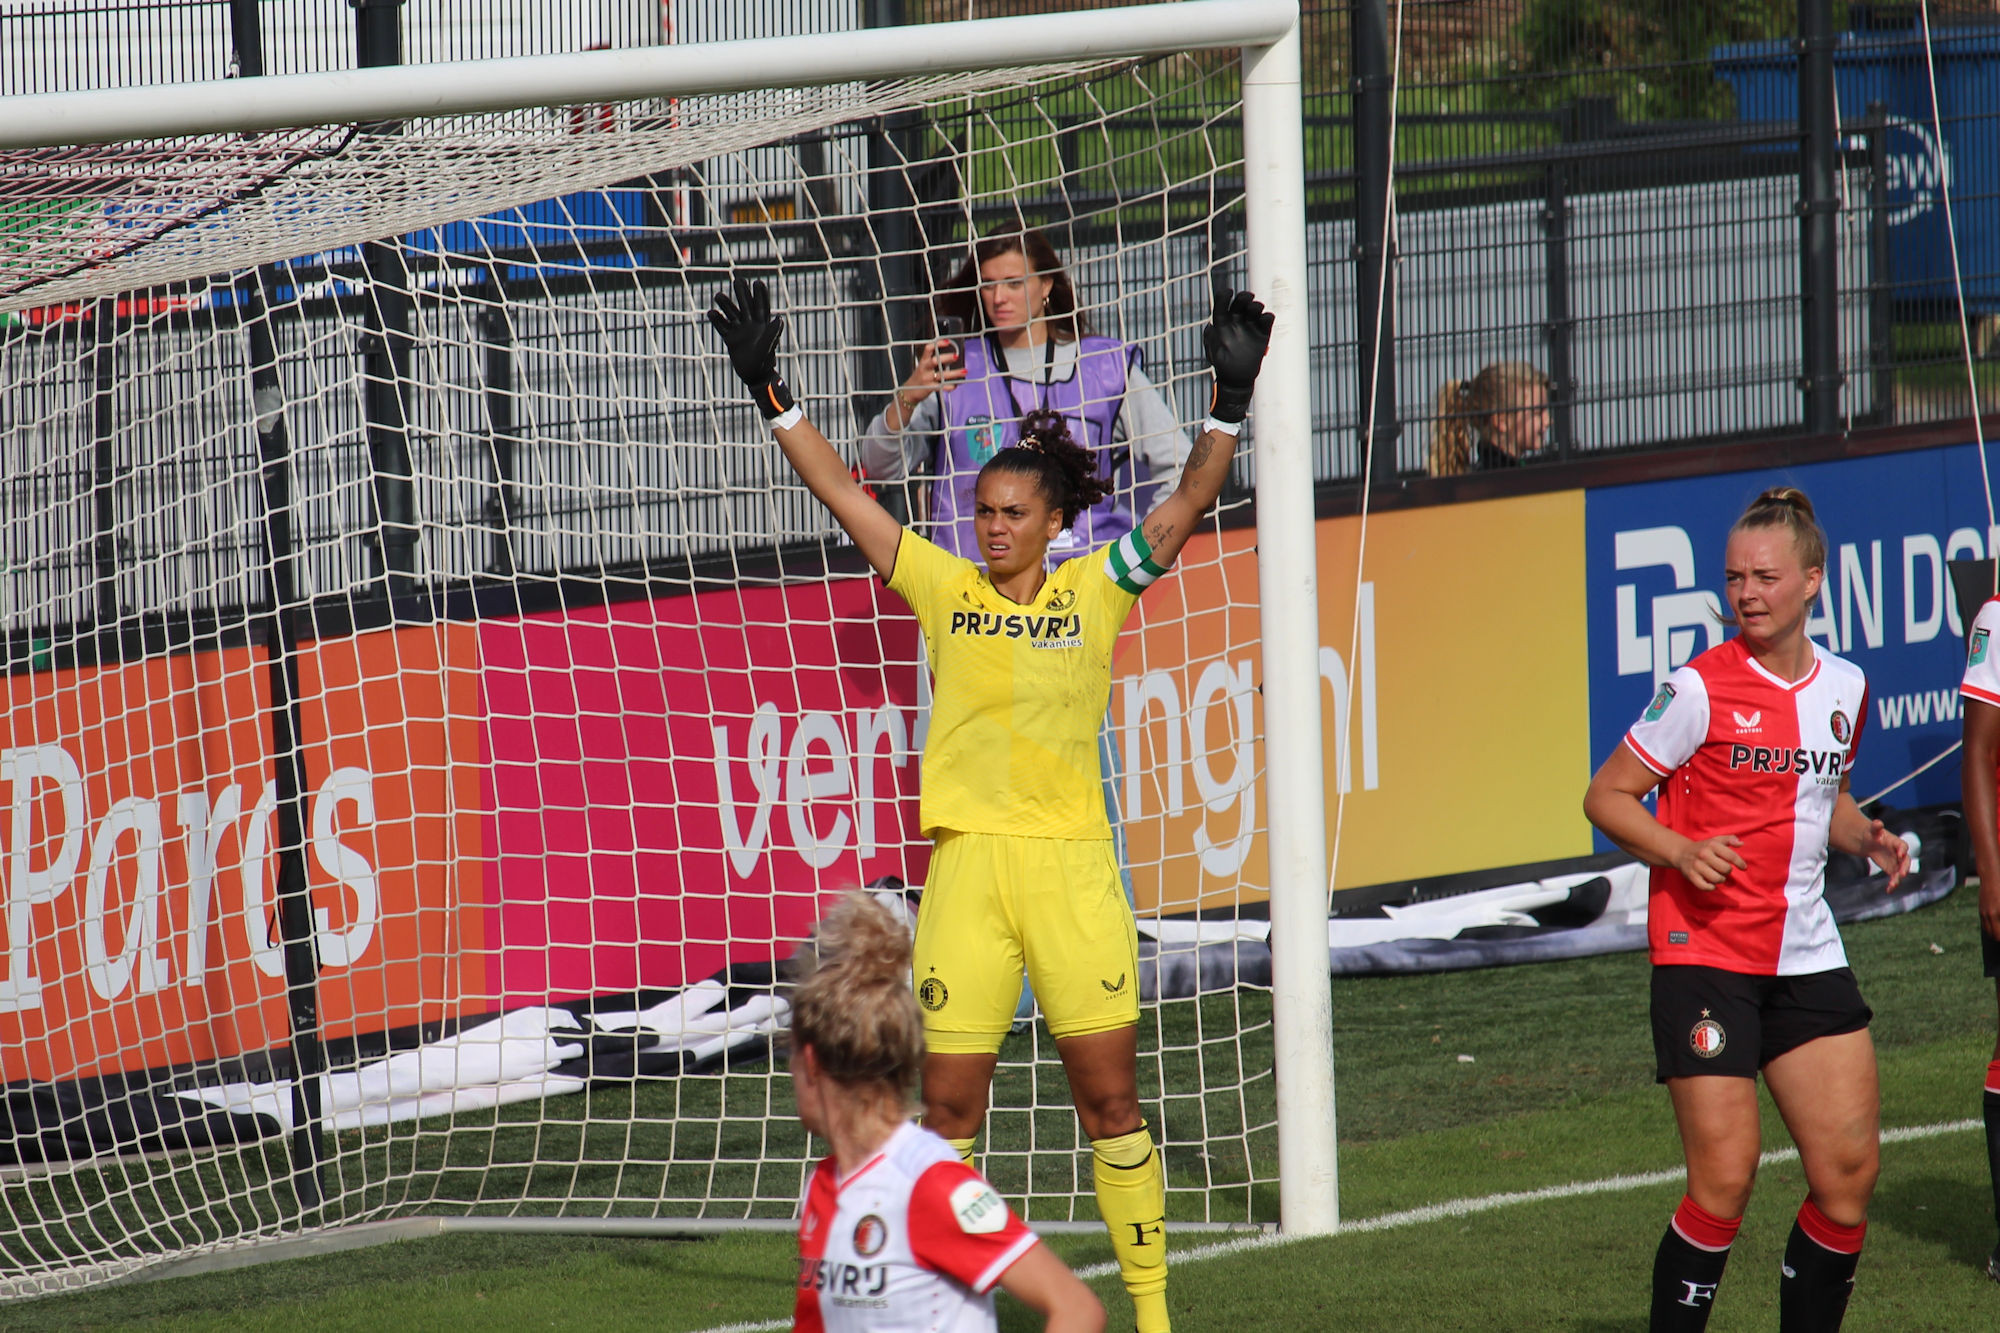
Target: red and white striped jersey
point(912, 1242)
point(1744, 752)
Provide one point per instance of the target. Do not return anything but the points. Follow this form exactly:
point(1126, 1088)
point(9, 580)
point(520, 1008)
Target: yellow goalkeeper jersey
point(1020, 689)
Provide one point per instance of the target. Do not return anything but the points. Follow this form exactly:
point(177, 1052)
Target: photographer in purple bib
point(1012, 341)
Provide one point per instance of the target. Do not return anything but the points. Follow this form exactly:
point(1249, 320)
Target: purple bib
point(983, 415)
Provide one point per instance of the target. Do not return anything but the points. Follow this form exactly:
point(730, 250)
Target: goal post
point(1288, 585)
point(611, 651)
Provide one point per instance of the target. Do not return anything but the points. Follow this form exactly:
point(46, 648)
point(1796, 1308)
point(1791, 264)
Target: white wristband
point(1230, 428)
point(792, 417)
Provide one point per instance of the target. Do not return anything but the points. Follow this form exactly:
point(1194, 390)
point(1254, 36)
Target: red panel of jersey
point(912, 1242)
point(1746, 753)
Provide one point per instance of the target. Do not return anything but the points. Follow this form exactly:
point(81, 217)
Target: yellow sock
point(1132, 1198)
point(963, 1147)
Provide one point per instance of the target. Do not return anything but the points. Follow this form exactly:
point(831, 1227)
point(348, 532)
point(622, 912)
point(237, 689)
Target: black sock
point(1992, 1101)
point(1685, 1277)
point(1812, 1298)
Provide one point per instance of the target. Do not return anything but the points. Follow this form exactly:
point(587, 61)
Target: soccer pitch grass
point(1559, 1091)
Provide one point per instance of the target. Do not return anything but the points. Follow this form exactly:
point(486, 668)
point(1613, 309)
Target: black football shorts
point(1708, 1021)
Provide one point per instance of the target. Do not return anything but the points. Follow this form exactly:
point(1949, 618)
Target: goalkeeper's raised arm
point(744, 318)
point(1234, 341)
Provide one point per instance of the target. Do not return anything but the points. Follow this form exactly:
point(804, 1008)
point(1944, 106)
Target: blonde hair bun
point(1790, 508)
point(852, 1001)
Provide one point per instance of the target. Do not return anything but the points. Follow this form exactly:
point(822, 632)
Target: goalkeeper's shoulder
point(922, 566)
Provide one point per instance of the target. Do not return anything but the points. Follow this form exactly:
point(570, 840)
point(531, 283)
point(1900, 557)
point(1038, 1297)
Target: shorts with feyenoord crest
point(1708, 1021)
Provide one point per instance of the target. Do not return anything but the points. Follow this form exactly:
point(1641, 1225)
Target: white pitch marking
point(1439, 1212)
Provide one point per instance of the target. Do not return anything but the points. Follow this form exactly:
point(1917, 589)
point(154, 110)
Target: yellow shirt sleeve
point(922, 568)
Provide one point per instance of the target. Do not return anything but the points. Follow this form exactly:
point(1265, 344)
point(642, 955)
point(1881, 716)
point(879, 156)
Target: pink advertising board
point(676, 784)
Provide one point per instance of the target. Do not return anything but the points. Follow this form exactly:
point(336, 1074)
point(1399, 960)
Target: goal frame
point(1267, 33)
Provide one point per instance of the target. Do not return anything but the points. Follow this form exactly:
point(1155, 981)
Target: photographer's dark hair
point(960, 296)
point(1064, 471)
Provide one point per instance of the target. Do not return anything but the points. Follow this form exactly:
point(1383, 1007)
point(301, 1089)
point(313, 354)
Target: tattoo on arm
point(1158, 533)
point(1199, 455)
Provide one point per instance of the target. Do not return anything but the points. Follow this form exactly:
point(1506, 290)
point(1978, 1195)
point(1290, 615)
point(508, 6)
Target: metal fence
point(1650, 223)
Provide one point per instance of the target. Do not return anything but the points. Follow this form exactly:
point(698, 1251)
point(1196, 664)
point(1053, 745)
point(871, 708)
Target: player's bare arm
point(752, 332)
point(1615, 803)
point(1237, 336)
point(1042, 1282)
point(1858, 835)
point(1982, 823)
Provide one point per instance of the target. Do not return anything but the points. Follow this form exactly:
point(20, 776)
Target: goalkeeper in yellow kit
point(1024, 876)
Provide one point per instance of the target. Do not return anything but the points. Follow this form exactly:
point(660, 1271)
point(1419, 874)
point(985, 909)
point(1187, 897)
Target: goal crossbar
point(468, 87)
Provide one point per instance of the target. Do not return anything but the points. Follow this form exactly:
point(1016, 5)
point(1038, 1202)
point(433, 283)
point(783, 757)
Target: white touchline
point(1438, 1212)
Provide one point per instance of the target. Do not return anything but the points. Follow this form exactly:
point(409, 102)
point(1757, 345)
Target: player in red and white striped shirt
point(1749, 746)
point(1980, 781)
point(897, 1234)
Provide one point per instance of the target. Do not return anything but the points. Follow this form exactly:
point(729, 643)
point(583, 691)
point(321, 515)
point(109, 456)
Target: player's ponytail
point(852, 1003)
point(1064, 471)
point(1789, 508)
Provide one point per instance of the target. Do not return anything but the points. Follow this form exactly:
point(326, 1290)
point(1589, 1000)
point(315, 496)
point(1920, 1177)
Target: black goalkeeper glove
point(1235, 340)
point(752, 333)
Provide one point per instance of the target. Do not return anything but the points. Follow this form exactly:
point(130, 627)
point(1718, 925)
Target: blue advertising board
point(1654, 594)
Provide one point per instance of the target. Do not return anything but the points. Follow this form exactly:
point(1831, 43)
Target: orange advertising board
point(140, 856)
point(1454, 687)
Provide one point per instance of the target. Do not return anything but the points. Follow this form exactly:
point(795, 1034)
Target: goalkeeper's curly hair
point(852, 1002)
point(1064, 471)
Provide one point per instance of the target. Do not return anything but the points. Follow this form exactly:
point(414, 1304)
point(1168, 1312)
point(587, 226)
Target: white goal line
point(286, 101)
point(1444, 1212)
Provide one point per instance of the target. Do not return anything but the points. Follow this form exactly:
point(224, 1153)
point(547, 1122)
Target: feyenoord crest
point(1660, 702)
point(871, 1233)
point(1842, 728)
point(1063, 600)
point(1977, 647)
point(1707, 1038)
point(931, 994)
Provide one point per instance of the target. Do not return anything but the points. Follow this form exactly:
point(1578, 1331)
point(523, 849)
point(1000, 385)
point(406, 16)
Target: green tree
point(1651, 56)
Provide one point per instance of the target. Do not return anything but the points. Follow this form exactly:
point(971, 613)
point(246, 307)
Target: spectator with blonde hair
point(1494, 420)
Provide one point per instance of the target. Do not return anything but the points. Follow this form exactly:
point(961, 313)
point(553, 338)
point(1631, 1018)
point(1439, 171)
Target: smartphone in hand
point(951, 329)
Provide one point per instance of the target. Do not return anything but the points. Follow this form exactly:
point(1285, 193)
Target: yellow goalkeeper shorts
point(995, 906)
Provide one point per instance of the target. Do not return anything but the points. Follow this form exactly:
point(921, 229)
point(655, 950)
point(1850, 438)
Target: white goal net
point(433, 713)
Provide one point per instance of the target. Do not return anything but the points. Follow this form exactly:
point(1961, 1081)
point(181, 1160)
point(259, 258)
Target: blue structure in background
point(1889, 67)
point(548, 238)
point(557, 225)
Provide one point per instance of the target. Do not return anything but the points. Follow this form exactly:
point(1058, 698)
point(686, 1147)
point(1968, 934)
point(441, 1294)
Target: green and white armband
point(1129, 563)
